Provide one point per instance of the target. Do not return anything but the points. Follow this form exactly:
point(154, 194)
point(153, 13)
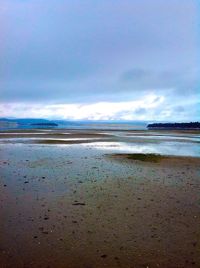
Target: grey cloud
point(135, 74)
point(143, 79)
point(75, 51)
point(141, 111)
point(179, 109)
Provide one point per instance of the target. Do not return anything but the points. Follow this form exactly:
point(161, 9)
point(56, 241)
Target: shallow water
point(167, 143)
point(163, 148)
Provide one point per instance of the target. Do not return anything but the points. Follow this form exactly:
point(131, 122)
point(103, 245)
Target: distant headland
point(45, 124)
point(191, 125)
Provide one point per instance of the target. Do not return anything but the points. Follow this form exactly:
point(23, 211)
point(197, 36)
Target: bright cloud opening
point(126, 110)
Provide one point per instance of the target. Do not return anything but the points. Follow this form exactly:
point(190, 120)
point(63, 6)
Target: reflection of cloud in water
point(22, 133)
point(121, 146)
point(165, 148)
point(165, 137)
point(56, 139)
point(124, 144)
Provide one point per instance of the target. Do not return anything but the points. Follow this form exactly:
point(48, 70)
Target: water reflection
point(165, 137)
point(186, 144)
point(24, 139)
point(164, 148)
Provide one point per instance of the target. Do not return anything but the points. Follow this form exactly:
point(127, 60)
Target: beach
point(92, 198)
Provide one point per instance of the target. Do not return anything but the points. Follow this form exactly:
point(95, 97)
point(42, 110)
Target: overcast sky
point(100, 59)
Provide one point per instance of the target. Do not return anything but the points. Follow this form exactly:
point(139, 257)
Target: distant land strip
point(191, 125)
point(44, 124)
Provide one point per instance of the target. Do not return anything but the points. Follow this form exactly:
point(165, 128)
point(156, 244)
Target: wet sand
point(75, 206)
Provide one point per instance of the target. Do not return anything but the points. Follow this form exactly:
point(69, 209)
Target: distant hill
point(45, 124)
point(191, 125)
point(24, 122)
point(29, 123)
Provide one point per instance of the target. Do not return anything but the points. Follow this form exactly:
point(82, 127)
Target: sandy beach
point(73, 205)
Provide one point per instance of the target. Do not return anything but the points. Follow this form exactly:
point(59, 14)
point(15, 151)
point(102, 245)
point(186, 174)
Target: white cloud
point(126, 110)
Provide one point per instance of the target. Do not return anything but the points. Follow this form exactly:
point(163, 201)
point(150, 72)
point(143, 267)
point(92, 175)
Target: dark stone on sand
point(78, 204)
point(45, 232)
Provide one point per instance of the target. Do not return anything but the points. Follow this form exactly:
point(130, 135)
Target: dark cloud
point(142, 79)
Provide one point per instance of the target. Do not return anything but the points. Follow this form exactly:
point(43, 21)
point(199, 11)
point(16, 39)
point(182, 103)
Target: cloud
point(141, 111)
point(95, 111)
point(183, 81)
point(151, 107)
point(85, 53)
point(135, 74)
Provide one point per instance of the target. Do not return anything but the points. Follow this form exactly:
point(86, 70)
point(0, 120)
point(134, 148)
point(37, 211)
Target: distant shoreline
point(174, 126)
point(171, 128)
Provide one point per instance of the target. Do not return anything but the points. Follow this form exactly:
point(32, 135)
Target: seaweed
point(146, 157)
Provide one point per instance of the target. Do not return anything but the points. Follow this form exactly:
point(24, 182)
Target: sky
point(100, 60)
